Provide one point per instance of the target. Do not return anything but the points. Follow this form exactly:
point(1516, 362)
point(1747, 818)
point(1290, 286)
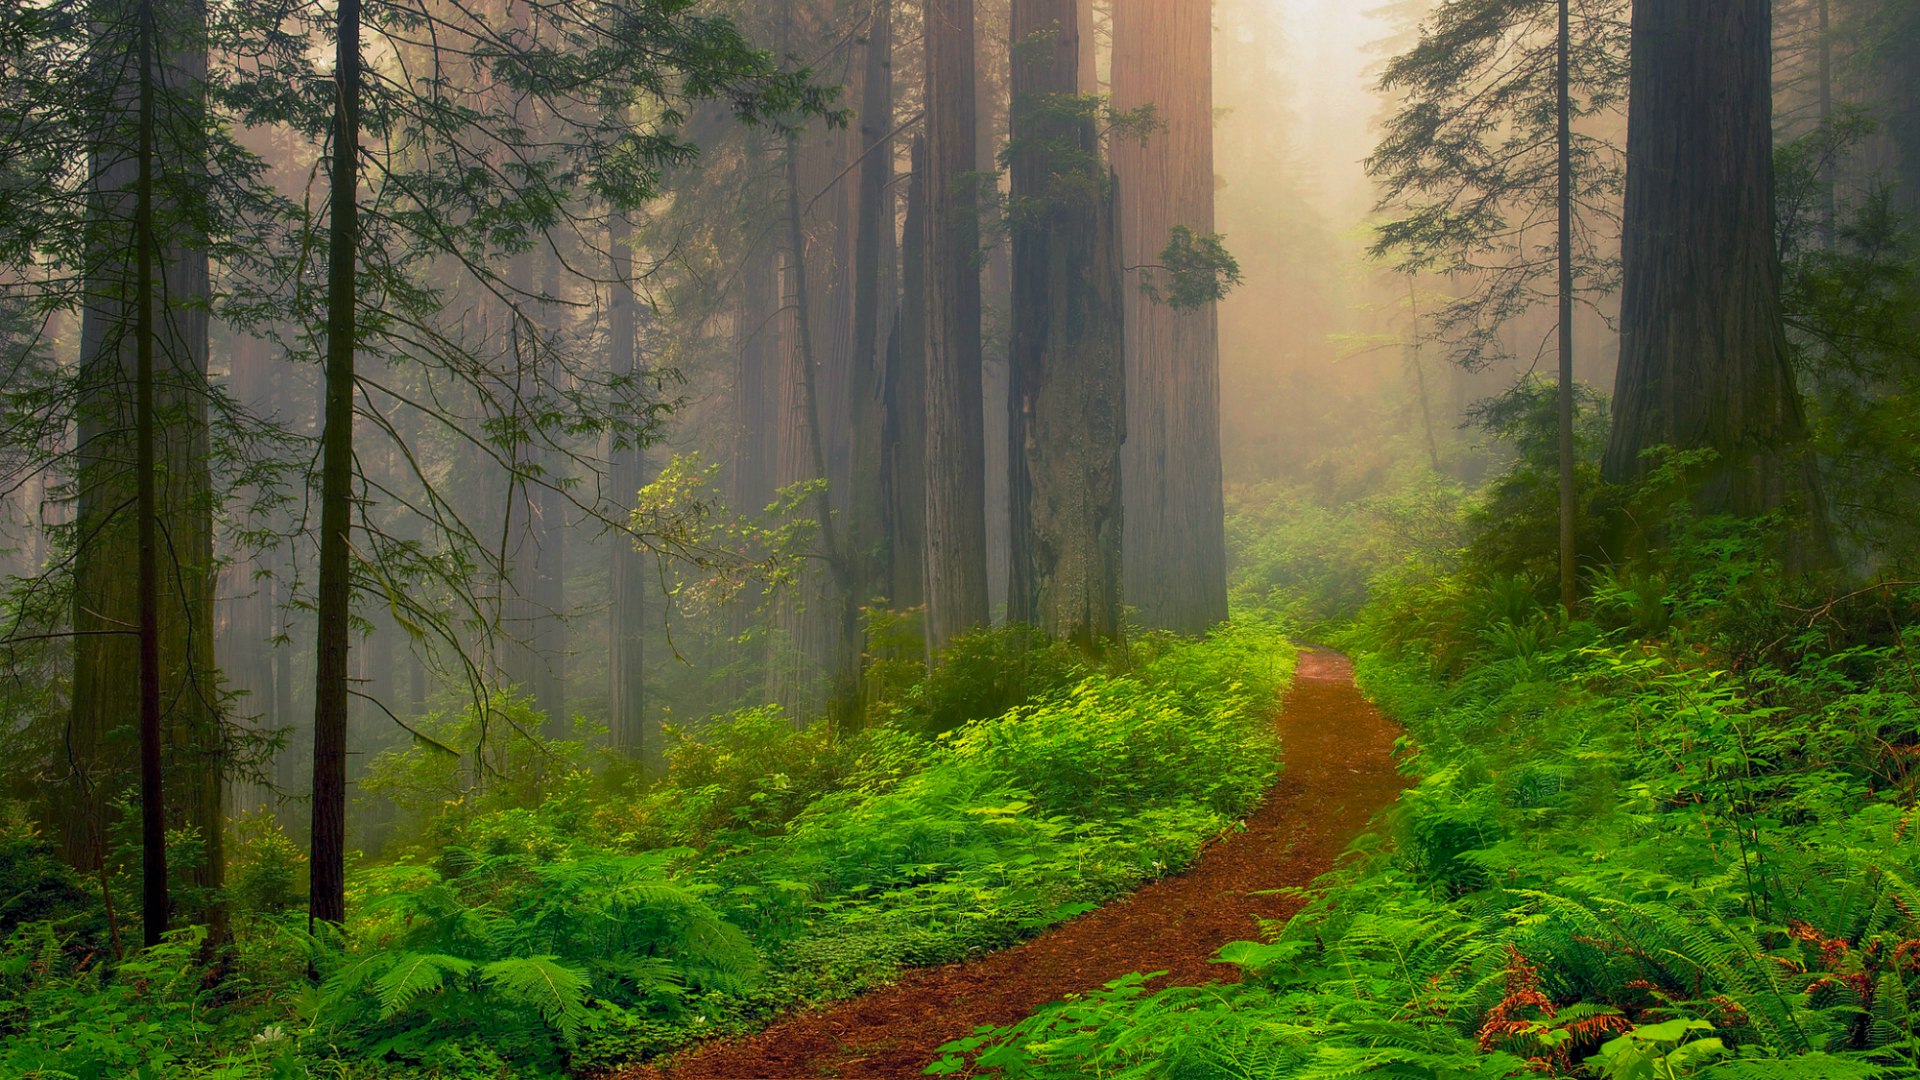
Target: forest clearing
point(1142, 539)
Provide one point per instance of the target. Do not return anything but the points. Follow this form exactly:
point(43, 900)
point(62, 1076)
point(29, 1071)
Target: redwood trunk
point(956, 553)
point(867, 519)
point(1703, 355)
point(1176, 516)
point(1066, 410)
point(906, 404)
point(162, 230)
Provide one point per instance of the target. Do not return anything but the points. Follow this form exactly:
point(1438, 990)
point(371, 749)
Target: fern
point(558, 992)
point(412, 974)
point(1805, 1067)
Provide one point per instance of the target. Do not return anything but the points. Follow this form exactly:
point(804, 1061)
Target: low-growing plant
point(1625, 858)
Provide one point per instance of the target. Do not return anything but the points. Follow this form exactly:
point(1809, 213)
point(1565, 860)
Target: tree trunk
point(1563, 107)
point(627, 620)
point(993, 100)
point(327, 900)
point(147, 237)
point(843, 652)
point(906, 402)
point(154, 907)
point(1899, 72)
point(1703, 357)
point(1066, 411)
point(867, 518)
point(244, 650)
point(956, 551)
point(1176, 514)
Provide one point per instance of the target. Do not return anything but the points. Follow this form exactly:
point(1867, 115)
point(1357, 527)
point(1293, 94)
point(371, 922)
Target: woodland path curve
point(1339, 772)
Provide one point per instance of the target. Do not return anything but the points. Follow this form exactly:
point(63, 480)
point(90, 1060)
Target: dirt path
point(1338, 773)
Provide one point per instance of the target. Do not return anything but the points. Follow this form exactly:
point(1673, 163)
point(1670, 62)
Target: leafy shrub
point(1311, 559)
point(521, 958)
point(34, 885)
point(987, 672)
point(1178, 730)
point(68, 1014)
point(493, 755)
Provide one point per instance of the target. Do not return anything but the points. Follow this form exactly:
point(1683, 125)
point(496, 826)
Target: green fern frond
point(414, 974)
point(557, 991)
point(1805, 1067)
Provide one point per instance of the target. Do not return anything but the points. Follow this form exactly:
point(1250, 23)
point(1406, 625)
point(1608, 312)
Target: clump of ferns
point(1526, 1022)
point(1866, 987)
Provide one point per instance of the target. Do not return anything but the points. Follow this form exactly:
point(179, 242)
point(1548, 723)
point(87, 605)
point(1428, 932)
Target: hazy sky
point(1330, 55)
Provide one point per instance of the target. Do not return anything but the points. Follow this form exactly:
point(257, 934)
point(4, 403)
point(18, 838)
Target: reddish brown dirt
point(1339, 773)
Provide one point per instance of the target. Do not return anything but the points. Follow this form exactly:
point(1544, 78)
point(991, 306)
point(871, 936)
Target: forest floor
point(1339, 772)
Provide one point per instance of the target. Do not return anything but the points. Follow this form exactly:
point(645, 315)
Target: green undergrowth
point(1624, 859)
point(572, 926)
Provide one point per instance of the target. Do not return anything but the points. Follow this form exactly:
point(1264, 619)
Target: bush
point(37, 887)
point(985, 673)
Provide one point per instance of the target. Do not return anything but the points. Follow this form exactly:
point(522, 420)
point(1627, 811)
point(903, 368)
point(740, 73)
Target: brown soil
point(1339, 773)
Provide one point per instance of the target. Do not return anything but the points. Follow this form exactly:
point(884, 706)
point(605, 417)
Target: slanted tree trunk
point(956, 551)
point(1176, 514)
point(1066, 413)
point(327, 898)
point(1703, 357)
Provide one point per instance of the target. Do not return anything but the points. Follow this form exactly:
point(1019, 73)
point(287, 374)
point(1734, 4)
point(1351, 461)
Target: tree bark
point(1066, 410)
point(154, 907)
point(244, 649)
point(906, 404)
point(327, 900)
point(867, 519)
point(956, 551)
point(1176, 513)
point(1703, 357)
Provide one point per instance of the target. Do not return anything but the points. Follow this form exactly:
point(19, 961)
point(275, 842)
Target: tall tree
point(868, 538)
point(1481, 155)
point(154, 903)
point(1563, 198)
point(143, 398)
point(1066, 409)
point(327, 845)
point(955, 478)
point(626, 617)
point(1703, 356)
point(905, 391)
point(1175, 505)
